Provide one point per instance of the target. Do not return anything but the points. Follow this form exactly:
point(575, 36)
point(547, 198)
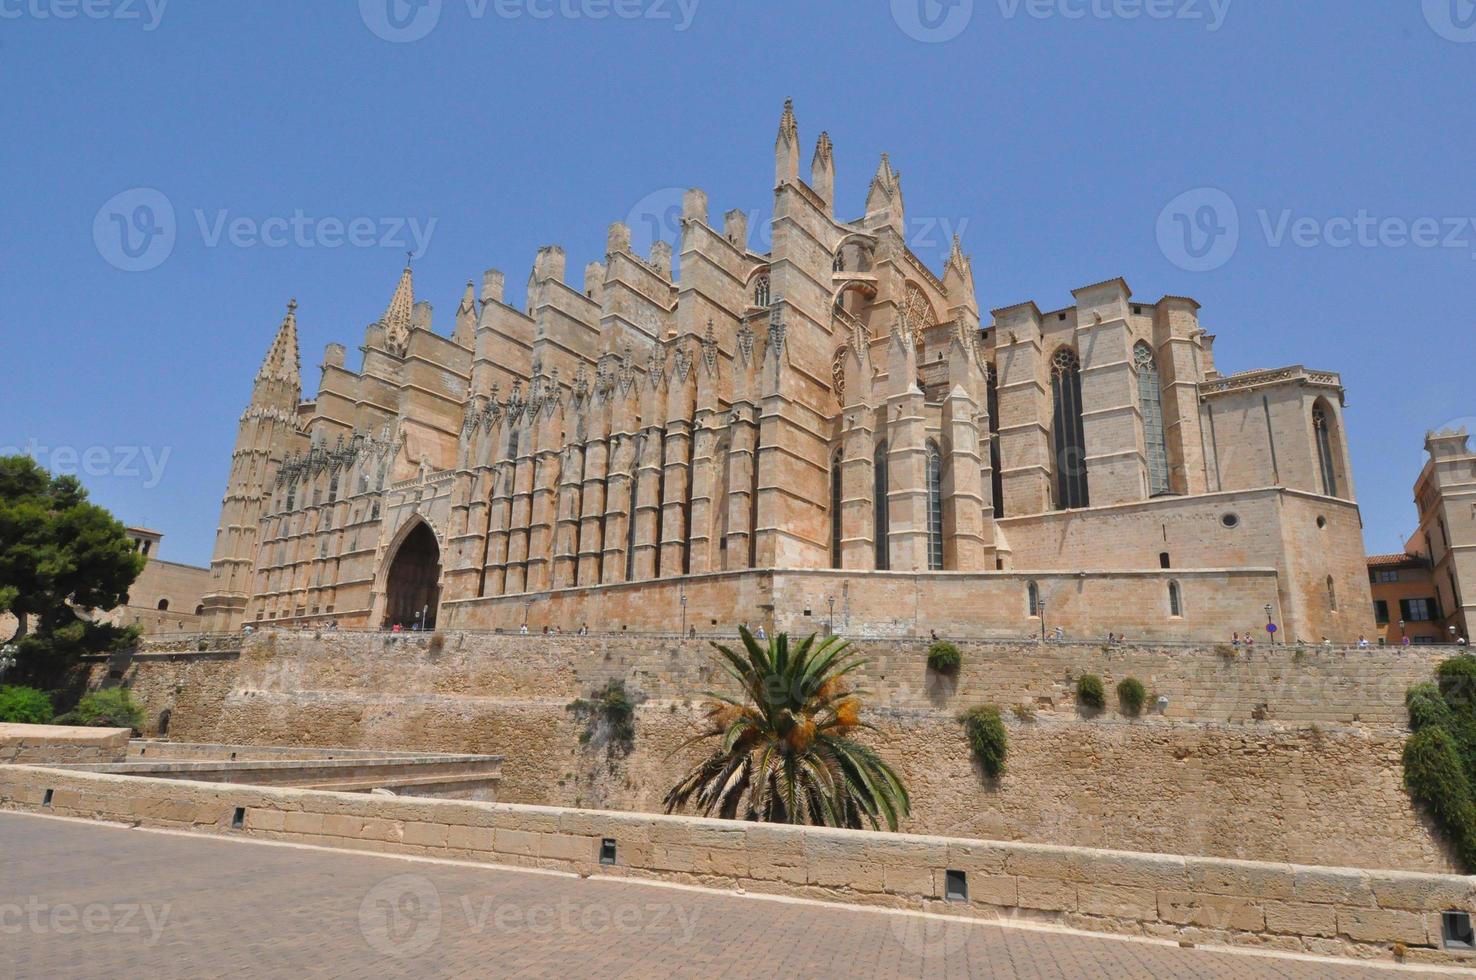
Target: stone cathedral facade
point(830, 435)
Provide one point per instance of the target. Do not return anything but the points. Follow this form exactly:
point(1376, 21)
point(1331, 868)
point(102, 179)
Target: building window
point(291, 498)
point(761, 292)
point(991, 377)
point(1032, 599)
point(1332, 594)
point(163, 605)
point(630, 511)
point(1322, 429)
point(1150, 400)
point(1417, 610)
point(333, 489)
point(882, 523)
point(1381, 612)
point(835, 511)
point(1071, 472)
point(1176, 601)
point(935, 507)
point(1386, 577)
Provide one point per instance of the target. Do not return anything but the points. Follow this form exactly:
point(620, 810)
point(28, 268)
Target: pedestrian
point(1362, 642)
point(523, 630)
point(397, 628)
point(1404, 642)
point(1236, 641)
point(692, 632)
point(761, 634)
point(1060, 633)
point(1326, 642)
point(934, 635)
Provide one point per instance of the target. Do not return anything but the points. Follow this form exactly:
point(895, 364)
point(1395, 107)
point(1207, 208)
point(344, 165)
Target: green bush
point(24, 706)
point(1131, 695)
point(1440, 757)
point(609, 718)
point(1426, 707)
point(1089, 692)
point(944, 657)
point(112, 707)
point(987, 738)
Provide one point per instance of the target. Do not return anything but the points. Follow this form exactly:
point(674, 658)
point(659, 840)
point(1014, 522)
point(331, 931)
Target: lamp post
point(527, 605)
point(830, 620)
point(683, 598)
point(1270, 624)
point(1452, 634)
point(1402, 635)
point(1042, 619)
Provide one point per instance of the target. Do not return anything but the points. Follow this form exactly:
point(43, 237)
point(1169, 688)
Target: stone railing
point(1256, 379)
point(1326, 911)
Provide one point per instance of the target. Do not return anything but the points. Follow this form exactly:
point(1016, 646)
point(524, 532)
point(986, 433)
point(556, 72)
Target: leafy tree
point(59, 554)
point(784, 751)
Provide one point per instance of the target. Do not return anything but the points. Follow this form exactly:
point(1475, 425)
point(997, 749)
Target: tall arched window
point(835, 511)
point(1150, 401)
point(761, 292)
point(1071, 471)
point(996, 467)
point(1176, 601)
point(882, 523)
point(935, 507)
point(1322, 431)
point(333, 488)
point(1332, 594)
point(1032, 599)
point(630, 510)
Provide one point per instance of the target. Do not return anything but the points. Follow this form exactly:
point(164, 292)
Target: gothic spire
point(397, 317)
point(465, 333)
point(786, 148)
point(282, 365)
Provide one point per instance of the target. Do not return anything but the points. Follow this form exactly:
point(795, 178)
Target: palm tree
point(783, 751)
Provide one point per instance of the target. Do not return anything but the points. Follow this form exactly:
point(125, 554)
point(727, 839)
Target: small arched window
point(835, 511)
point(935, 507)
point(1070, 439)
point(761, 292)
point(1032, 599)
point(1176, 601)
point(1150, 401)
point(163, 605)
point(882, 523)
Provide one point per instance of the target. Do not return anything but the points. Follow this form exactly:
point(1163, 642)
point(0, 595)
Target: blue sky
point(1053, 134)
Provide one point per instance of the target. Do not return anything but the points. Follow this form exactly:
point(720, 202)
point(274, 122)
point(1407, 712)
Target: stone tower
point(262, 440)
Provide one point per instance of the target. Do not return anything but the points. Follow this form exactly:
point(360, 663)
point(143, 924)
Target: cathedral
point(827, 436)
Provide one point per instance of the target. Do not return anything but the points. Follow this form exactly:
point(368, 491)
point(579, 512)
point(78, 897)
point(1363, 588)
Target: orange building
point(1406, 602)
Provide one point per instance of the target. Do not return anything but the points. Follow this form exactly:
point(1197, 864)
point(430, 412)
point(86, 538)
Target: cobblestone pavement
point(82, 900)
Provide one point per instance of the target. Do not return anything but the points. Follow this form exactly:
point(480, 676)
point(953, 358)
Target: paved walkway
point(90, 901)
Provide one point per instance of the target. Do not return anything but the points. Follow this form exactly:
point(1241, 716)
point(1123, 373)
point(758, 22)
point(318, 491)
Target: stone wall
point(1274, 754)
point(1213, 603)
point(1321, 910)
point(60, 744)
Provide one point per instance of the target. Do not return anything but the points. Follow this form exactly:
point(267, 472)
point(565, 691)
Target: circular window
point(1321, 522)
point(1230, 520)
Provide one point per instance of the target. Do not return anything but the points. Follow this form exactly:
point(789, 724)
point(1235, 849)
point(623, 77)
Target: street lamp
point(527, 605)
point(1270, 624)
point(830, 621)
point(1452, 634)
point(683, 598)
point(1042, 605)
point(1402, 636)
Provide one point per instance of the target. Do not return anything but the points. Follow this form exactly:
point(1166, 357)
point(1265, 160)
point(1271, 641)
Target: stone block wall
point(1321, 910)
point(60, 744)
point(1270, 754)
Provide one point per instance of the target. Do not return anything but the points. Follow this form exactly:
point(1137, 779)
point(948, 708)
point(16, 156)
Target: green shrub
point(987, 738)
point(24, 706)
point(944, 657)
point(112, 707)
point(1426, 707)
point(1440, 757)
point(609, 718)
point(1024, 712)
point(1131, 695)
point(1089, 692)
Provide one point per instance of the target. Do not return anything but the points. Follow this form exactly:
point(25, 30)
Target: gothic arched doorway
point(412, 587)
